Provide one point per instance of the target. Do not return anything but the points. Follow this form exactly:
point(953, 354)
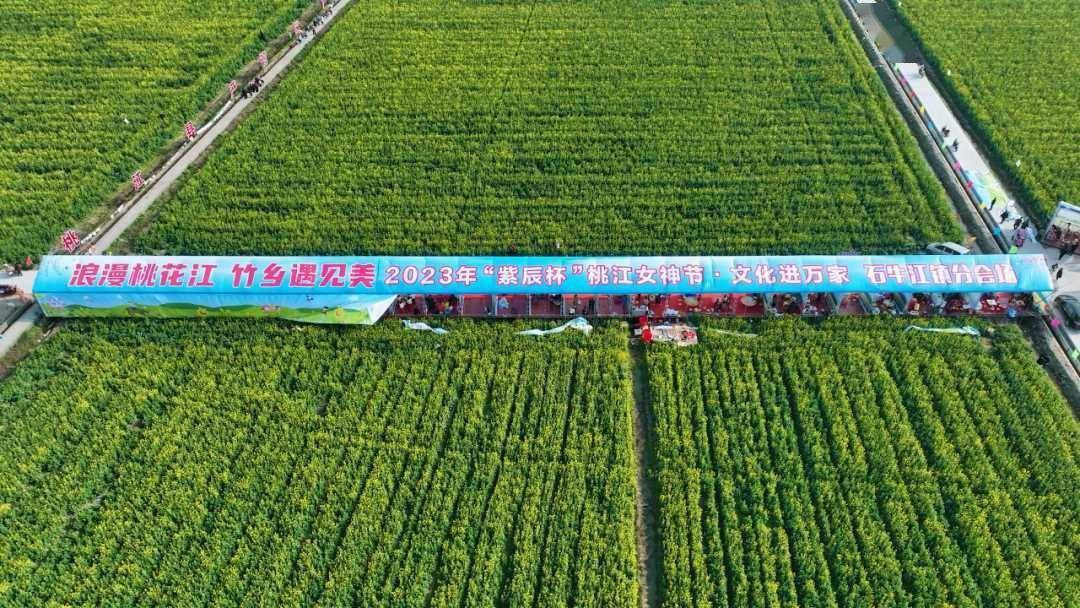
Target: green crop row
point(1012, 67)
point(856, 465)
point(91, 90)
point(586, 127)
point(181, 464)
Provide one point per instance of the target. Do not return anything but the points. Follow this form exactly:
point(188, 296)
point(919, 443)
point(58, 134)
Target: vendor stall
point(362, 289)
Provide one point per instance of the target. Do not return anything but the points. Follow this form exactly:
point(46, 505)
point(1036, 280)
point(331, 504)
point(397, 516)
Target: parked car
point(947, 249)
point(1070, 309)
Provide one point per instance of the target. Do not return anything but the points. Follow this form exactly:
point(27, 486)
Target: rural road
point(184, 158)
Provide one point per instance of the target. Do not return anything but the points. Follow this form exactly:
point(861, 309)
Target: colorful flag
point(263, 59)
point(233, 86)
point(70, 240)
point(296, 28)
point(190, 131)
point(137, 181)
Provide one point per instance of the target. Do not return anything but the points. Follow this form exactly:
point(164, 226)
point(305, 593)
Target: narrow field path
point(648, 532)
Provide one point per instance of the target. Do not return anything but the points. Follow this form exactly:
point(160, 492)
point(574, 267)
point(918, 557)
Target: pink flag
point(233, 85)
point(70, 240)
point(137, 181)
point(263, 59)
point(190, 131)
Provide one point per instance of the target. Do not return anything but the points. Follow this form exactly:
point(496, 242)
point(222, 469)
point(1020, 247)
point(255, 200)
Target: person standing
point(1004, 216)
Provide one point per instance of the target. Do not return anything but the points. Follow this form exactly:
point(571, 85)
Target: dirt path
point(648, 533)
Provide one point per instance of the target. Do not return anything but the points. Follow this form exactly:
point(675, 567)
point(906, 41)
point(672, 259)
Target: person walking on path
point(992, 203)
point(1025, 223)
point(1060, 272)
point(1016, 224)
point(1004, 216)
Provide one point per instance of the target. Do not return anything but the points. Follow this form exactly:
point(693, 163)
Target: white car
point(947, 249)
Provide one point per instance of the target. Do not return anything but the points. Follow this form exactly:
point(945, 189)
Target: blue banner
point(315, 277)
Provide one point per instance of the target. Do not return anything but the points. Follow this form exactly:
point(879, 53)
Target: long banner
point(319, 286)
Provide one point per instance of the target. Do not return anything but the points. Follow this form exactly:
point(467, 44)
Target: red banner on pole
point(190, 131)
point(70, 240)
point(137, 181)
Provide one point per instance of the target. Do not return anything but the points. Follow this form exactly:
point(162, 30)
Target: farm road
point(163, 183)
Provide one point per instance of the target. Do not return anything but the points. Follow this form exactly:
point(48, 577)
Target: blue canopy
point(115, 275)
point(359, 289)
